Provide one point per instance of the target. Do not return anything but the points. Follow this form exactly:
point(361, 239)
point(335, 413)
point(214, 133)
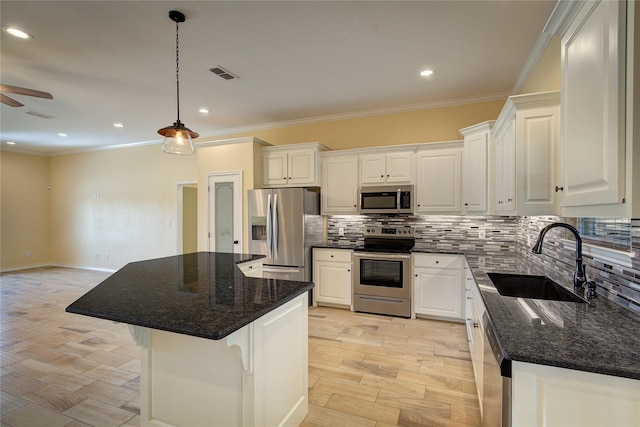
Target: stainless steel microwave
point(389, 199)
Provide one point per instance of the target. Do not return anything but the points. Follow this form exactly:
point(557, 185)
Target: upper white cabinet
point(339, 184)
point(478, 158)
point(526, 155)
point(386, 168)
point(439, 178)
point(599, 99)
point(291, 165)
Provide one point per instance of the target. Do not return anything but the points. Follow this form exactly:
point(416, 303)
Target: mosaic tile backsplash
point(492, 234)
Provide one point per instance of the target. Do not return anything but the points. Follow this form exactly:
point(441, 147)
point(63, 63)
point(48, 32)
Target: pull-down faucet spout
point(579, 277)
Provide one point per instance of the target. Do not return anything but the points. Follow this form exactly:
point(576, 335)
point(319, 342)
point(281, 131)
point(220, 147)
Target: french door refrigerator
point(283, 225)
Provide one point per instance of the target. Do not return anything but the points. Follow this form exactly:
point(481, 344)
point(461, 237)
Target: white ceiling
point(114, 61)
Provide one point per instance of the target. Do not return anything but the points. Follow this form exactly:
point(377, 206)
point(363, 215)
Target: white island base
point(256, 376)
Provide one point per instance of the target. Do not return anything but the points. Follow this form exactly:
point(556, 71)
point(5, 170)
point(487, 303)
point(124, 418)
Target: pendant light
point(177, 138)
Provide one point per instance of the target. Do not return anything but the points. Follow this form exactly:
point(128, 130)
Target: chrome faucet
point(579, 277)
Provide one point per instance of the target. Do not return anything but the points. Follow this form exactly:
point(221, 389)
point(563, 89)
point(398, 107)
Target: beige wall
point(24, 213)
point(120, 204)
point(546, 74)
point(189, 219)
point(439, 124)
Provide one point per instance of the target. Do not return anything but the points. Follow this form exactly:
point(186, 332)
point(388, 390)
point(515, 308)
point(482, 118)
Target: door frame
point(238, 226)
point(179, 208)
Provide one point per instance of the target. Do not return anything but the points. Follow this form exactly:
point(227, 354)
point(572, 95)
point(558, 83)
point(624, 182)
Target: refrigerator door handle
point(269, 219)
point(276, 222)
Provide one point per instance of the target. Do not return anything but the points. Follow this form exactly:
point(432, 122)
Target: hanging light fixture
point(177, 138)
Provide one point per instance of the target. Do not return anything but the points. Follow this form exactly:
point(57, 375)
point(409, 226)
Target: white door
point(224, 228)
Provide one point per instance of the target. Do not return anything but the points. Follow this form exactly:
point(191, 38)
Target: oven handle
point(381, 255)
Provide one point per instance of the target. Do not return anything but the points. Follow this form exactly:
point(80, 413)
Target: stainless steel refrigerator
point(283, 225)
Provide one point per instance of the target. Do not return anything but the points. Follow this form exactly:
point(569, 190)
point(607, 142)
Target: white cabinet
point(291, 166)
point(600, 121)
point(251, 268)
point(439, 178)
point(556, 397)
point(526, 155)
point(478, 160)
point(438, 288)
point(333, 276)
point(386, 168)
point(475, 331)
point(339, 184)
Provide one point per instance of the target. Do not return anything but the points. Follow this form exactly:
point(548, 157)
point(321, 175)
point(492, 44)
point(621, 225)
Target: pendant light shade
point(177, 138)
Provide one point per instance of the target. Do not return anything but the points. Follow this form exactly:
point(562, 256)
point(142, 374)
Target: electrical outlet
point(340, 231)
point(528, 240)
point(481, 261)
point(27, 254)
point(481, 234)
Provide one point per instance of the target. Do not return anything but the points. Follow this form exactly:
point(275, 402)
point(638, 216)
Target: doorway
point(224, 212)
point(187, 217)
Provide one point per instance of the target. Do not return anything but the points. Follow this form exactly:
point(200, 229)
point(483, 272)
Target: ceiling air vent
point(221, 72)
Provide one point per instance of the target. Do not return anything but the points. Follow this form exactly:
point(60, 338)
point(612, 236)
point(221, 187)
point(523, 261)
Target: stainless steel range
point(382, 267)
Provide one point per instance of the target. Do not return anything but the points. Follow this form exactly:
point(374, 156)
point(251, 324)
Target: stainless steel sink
point(530, 286)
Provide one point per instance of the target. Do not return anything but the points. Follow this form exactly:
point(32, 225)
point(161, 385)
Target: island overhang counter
point(217, 347)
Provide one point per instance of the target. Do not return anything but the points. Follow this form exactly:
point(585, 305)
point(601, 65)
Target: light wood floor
point(61, 369)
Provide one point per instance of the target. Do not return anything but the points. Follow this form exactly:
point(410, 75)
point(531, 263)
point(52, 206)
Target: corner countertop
point(201, 294)
point(600, 337)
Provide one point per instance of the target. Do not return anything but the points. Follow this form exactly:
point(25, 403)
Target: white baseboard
point(45, 265)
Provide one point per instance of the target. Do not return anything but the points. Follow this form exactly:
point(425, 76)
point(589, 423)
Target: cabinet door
point(372, 169)
point(399, 168)
point(275, 168)
point(439, 183)
point(339, 185)
point(593, 105)
point(438, 292)
point(476, 179)
point(302, 168)
point(506, 168)
point(333, 282)
point(537, 145)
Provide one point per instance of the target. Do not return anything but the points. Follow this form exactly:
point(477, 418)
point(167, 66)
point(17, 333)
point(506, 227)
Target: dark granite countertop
point(202, 294)
point(600, 337)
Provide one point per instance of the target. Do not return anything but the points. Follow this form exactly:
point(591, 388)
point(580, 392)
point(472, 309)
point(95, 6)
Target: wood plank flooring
point(61, 369)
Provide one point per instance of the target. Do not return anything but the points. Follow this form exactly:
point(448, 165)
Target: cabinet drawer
point(438, 260)
point(343, 255)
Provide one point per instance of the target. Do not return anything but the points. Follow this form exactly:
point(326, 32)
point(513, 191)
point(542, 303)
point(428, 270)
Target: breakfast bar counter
point(214, 341)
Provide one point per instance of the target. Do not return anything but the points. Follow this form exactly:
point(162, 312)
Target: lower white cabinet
point(251, 268)
point(557, 397)
point(475, 309)
point(333, 276)
point(438, 289)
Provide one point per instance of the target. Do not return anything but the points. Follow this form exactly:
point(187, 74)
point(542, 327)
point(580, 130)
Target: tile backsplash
point(493, 234)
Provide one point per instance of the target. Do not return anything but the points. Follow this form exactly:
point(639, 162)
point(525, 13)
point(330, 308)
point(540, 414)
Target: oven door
point(382, 274)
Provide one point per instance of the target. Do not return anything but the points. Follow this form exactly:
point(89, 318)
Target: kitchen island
point(218, 347)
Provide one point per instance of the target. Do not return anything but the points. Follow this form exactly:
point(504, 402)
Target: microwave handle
point(398, 200)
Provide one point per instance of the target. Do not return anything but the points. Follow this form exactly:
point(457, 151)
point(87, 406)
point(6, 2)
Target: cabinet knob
point(418, 204)
point(381, 176)
point(559, 188)
point(475, 324)
point(509, 199)
point(348, 271)
point(437, 262)
point(331, 256)
point(289, 177)
point(235, 242)
point(466, 204)
point(387, 176)
point(355, 206)
point(416, 275)
point(284, 177)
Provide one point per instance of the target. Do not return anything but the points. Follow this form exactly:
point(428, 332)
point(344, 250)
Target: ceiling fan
point(20, 91)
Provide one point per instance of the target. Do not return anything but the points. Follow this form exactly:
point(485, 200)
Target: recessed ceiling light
point(118, 125)
point(203, 111)
point(17, 32)
point(62, 134)
point(11, 143)
point(426, 72)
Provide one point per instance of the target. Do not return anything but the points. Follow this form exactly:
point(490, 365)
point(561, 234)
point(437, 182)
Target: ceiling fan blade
point(9, 101)
point(24, 91)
